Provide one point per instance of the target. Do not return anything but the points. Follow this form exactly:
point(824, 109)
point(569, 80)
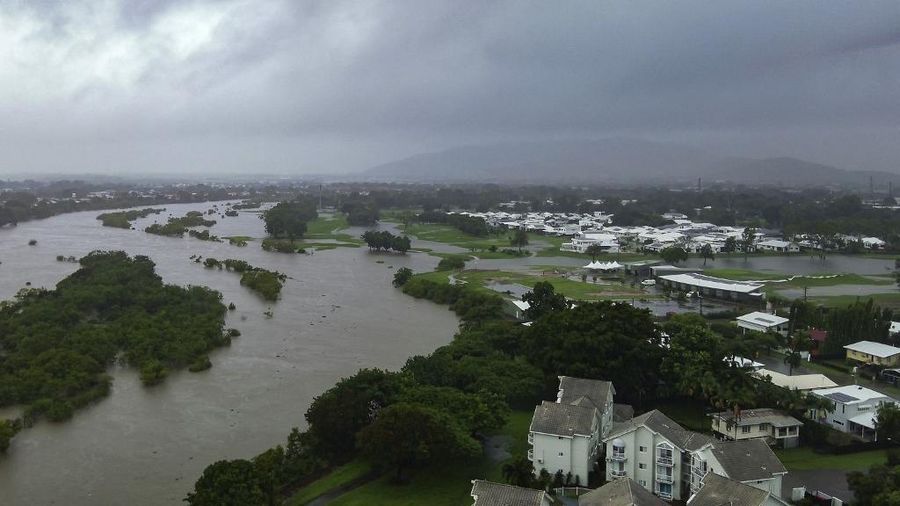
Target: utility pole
point(699, 185)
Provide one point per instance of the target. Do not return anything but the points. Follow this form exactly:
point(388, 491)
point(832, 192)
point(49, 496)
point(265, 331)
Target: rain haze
point(332, 87)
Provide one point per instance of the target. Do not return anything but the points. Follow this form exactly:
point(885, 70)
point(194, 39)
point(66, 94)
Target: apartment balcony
point(531, 454)
point(618, 457)
point(665, 460)
point(664, 495)
point(618, 473)
point(665, 478)
point(531, 438)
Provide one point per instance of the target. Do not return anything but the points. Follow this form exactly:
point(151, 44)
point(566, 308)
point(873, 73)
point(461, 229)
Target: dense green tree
point(336, 416)
point(878, 487)
point(451, 263)
point(887, 423)
point(543, 299)
point(8, 429)
point(402, 275)
point(384, 240)
point(407, 435)
point(730, 245)
point(603, 340)
point(706, 252)
point(519, 472)
point(289, 219)
point(230, 483)
point(748, 239)
point(594, 251)
point(475, 412)
point(519, 239)
point(673, 254)
point(797, 343)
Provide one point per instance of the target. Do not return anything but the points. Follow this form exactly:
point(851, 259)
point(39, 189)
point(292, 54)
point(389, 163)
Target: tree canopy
point(289, 219)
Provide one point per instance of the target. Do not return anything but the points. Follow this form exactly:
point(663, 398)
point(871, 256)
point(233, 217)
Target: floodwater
point(802, 264)
point(338, 313)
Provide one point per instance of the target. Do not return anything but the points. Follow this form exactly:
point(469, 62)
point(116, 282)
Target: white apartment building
point(751, 462)
point(566, 435)
point(654, 451)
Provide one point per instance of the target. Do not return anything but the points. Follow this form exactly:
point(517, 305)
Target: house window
point(643, 449)
point(560, 454)
point(745, 429)
point(643, 483)
point(642, 466)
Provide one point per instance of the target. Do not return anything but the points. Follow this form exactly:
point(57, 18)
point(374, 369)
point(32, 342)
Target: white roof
point(895, 328)
point(850, 394)
point(879, 350)
point(865, 419)
point(798, 381)
point(521, 304)
point(713, 283)
point(774, 242)
point(762, 319)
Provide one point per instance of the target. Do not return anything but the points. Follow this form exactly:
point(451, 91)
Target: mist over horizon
point(219, 87)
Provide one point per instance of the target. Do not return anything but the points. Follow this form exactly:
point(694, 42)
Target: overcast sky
point(293, 86)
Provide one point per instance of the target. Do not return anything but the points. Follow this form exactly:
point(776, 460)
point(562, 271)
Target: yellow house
point(868, 352)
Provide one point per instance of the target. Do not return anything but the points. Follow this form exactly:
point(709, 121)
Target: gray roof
point(488, 493)
point(746, 460)
point(585, 392)
point(718, 491)
point(562, 419)
point(664, 426)
point(621, 492)
point(757, 416)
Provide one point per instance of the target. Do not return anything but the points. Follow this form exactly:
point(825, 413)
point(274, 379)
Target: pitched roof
point(487, 493)
point(718, 490)
point(622, 412)
point(584, 392)
point(622, 492)
point(664, 426)
point(879, 350)
point(748, 459)
point(757, 416)
point(562, 419)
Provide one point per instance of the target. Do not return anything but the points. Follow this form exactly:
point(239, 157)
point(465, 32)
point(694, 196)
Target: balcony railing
point(618, 473)
point(531, 438)
point(665, 460)
point(531, 454)
point(665, 478)
point(664, 495)
point(618, 457)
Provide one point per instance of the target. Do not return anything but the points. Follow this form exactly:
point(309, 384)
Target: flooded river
point(338, 313)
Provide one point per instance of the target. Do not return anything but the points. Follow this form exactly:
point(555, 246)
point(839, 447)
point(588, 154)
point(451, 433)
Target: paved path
point(831, 481)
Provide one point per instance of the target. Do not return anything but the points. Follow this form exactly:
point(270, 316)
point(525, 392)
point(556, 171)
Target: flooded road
point(338, 313)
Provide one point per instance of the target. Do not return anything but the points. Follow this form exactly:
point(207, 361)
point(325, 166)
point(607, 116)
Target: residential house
point(758, 321)
point(872, 353)
point(653, 450)
point(778, 246)
point(855, 409)
point(719, 490)
point(801, 382)
point(624, 492)
point(566, 435)
point(751, 462)
point(772, 426)
point(487, 493)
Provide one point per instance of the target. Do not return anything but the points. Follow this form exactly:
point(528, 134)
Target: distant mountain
point(615, 161)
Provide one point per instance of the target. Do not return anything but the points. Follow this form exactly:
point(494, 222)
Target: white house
point(566, 435)
point(719, 490)
point(653, 450)
point(762, 322)
point(751, 462)
point(778, 246)
point(488, 493)
point(772, 426)
point(800, 382)
point(855, 409)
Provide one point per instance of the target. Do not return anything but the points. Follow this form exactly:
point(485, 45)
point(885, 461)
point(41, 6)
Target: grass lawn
point(443, 483)
point(343, 474)
point(326, 225)
point(742, 274)
point(842, 279)
point(804, 459)
point(577, 290)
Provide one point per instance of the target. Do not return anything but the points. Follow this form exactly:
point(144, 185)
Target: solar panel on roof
point(841, 397)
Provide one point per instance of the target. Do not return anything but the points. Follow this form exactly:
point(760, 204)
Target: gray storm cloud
point(292, 86)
